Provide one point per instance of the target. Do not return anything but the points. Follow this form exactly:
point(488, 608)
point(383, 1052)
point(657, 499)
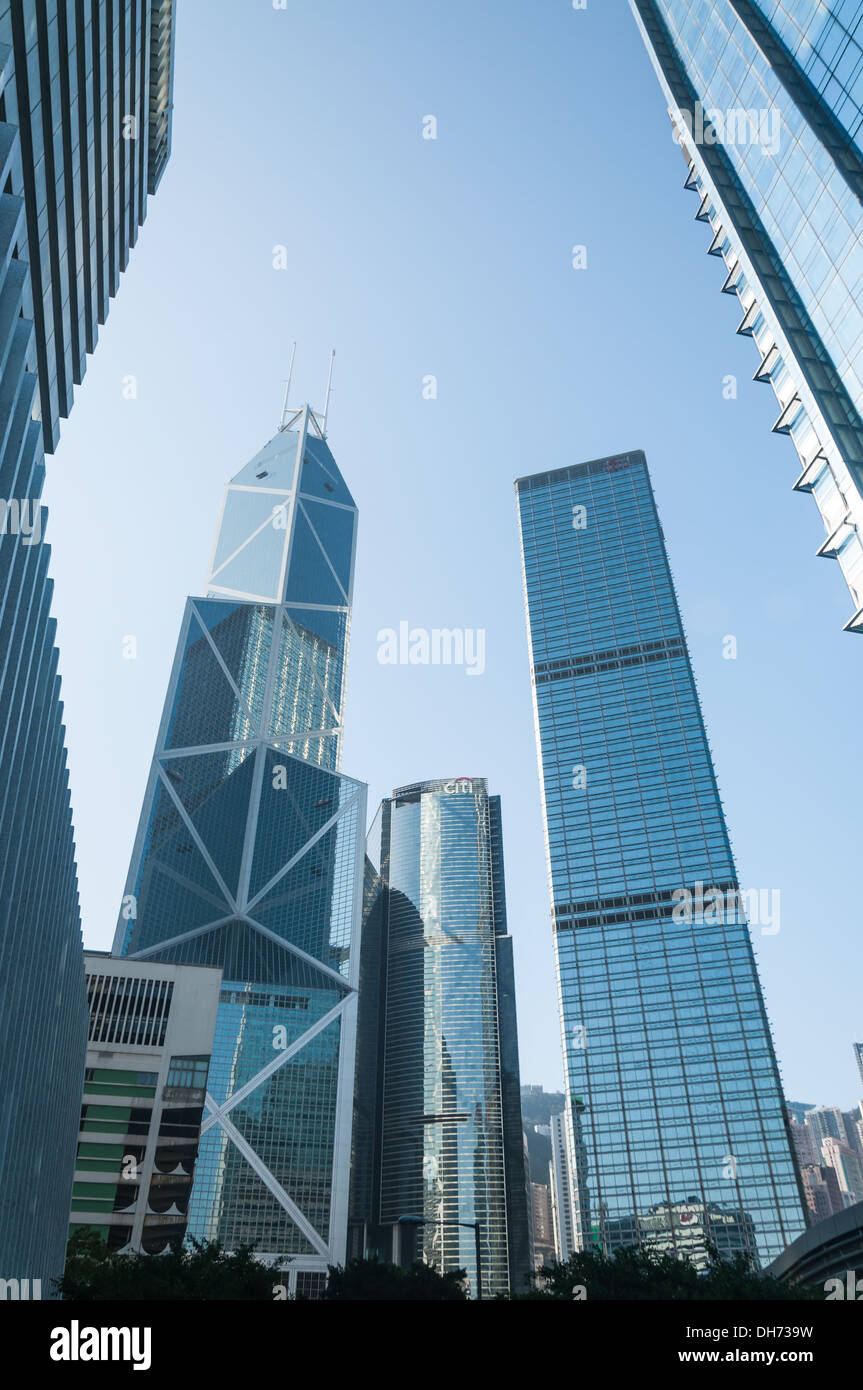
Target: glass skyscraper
point(676, 1113)
point(766, 98)
point(85, 124)
point(438, 1143)
point(250, 855)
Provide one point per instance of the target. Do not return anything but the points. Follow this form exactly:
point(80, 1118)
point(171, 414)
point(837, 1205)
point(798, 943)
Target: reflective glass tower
point(676, 1114)
point(766, 99)
point(439, 1135)
point(250, 854)
point(85, 127)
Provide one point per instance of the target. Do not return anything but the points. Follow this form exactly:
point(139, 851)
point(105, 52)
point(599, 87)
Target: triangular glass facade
point(250, 850)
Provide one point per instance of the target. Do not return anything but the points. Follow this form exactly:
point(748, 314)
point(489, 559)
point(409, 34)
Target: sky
point(303, 128)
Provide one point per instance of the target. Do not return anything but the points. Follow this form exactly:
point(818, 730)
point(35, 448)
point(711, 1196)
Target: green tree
point(633, 1274)
point(378, 1279)
point(202, 1272)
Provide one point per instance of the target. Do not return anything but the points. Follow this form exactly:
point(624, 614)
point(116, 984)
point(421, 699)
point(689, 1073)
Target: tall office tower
point(542, 1222)
point(438, 1086)
point(85, 122)
point(667, 1050)
point(845, 1162)
point(766, 98)
point(798, 1109)
point(822, 1191)
point(826, 1121)
point(529, 1203)
point(151, 1036)
point(564, 1204)
point(851, 1126)
point(830, 1122)
point(858, 1057)
point(857, 1143)
point(806, 1148)
point(250, 854)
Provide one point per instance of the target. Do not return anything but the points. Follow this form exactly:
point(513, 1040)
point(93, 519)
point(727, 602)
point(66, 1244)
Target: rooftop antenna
point(287, 388)
point(327, 400)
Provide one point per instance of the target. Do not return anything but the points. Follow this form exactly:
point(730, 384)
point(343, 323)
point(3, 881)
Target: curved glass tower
point(249, 854)
point(438, 1081)
point(677, 1127)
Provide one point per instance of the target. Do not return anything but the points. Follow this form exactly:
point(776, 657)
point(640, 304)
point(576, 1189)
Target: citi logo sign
point(21, 1289)
point(459, 786)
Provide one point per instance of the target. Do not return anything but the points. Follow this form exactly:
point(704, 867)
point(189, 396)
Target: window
point(188, 1071)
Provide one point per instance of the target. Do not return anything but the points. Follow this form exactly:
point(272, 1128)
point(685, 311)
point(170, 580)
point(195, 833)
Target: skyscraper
point(766, 99)
point(85, 127)
point(825, 1122)
point(545, 1252)
point(847, 1167)
point(439, 1136)
point(797, 1110)
point(669, 1063)
point(807, 1148)
point(564, 1203)
point(538, 1107)
point(821, 1190)
point(250, 854)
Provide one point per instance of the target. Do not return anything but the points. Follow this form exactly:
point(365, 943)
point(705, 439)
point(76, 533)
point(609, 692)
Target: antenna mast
point(327, 400)
point(287, 388)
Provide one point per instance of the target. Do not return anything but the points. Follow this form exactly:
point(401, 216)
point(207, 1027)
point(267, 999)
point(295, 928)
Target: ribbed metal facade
point(76, 79)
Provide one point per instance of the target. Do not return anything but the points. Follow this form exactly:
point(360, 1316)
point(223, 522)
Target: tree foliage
point(633, 1274)
point(203, 1272)
point(378, 1279)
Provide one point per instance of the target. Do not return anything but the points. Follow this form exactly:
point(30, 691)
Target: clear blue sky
point(302, 127)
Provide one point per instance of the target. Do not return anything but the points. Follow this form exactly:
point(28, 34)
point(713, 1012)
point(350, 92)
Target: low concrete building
point(151, 1036)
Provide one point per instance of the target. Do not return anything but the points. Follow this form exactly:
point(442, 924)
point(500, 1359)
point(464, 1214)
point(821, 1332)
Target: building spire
point(291, 413)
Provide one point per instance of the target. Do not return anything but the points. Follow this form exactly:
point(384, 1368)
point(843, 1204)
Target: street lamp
point(470, 1225)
